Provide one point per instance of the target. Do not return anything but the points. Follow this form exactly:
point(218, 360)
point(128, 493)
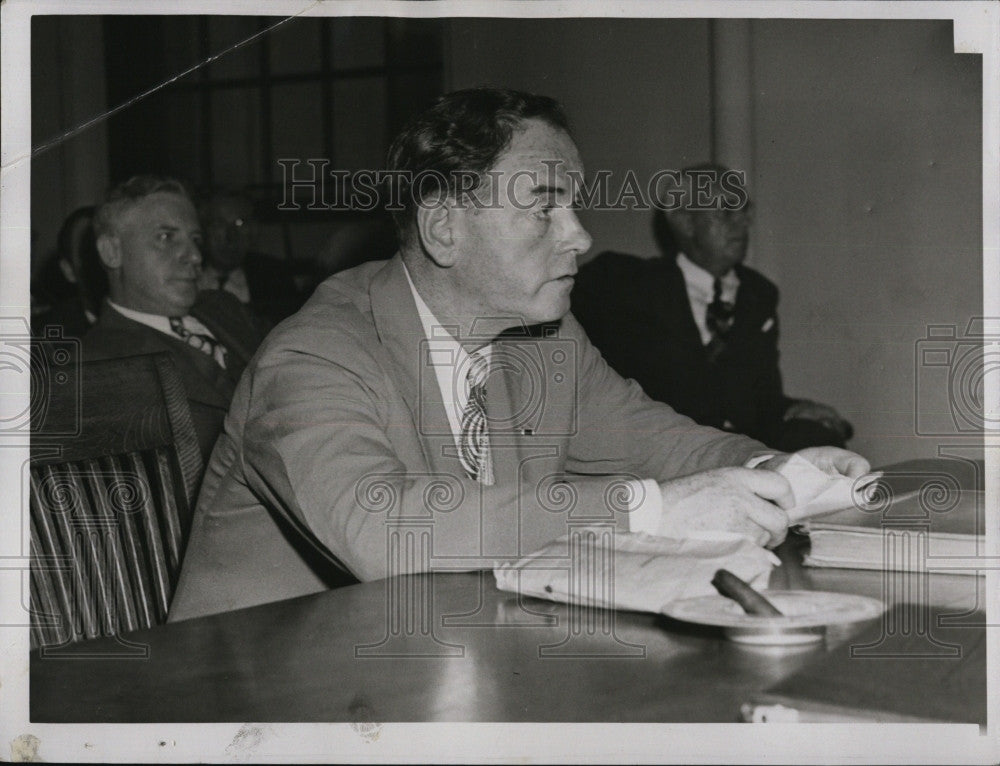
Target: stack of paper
point(944, 534)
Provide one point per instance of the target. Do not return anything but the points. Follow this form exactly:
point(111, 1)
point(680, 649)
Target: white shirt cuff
point(756, 460)
point(646, 507)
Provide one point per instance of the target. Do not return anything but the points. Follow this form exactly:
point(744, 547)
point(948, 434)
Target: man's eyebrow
point(547, 190)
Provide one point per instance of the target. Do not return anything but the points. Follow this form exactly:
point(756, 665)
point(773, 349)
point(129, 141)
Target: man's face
point(160, 241)
point(231, 230)
point(518, 253)
point(720, 238)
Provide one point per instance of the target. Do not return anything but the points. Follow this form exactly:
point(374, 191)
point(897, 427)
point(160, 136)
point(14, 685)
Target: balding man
point(696, 328)
point(149, 241)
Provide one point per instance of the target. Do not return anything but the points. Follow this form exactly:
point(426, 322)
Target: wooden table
point(443, 647)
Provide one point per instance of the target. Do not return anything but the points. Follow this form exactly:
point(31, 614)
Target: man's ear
point(109, 248)
point(436, 228)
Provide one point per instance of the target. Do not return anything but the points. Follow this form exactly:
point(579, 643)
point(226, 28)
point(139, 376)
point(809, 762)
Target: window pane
point(180, 44)
point(295, 47)
point(236, 139)
point(357, 42)
point(415, 41)
point(359, 123)
point(223, 33)
point(183, 134)
point(296, 123)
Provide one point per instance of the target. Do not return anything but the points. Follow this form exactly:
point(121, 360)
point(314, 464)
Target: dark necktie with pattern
point(200, 341)
point(719, 319)
point(474, 443)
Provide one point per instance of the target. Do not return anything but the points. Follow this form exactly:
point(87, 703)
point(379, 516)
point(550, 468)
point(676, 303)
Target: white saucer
point(805, 615)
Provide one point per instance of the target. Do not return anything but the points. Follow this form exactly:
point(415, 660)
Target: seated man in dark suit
point(264, 284)
point(443, 409)
point(149, 241)
point(696, 328)
point(81, 285)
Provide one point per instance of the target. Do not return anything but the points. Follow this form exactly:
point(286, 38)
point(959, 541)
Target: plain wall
point(867, 153)
point(869, 212)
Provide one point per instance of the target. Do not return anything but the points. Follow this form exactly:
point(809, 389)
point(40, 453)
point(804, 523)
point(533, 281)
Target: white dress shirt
point(451, 362)
point(700, 290)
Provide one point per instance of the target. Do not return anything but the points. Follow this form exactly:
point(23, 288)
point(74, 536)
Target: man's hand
point(742, 500)
point(806, 409)
point(831, 460)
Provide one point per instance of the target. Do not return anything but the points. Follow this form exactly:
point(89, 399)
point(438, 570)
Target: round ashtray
point(805, 615)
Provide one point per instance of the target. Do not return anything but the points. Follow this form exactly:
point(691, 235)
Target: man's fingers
point(770, 518)
point(767, 484)
point(836, 460)
point(851, 464)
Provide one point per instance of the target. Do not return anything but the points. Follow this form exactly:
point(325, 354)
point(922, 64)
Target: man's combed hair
point(463, 133)
point(128, 193)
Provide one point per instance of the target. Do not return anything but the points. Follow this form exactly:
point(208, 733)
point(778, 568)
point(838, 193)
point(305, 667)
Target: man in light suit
point(448, 392)
point(696, 328)
point(149, 240)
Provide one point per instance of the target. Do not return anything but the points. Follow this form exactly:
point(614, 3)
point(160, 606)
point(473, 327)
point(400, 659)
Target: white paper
point(817, 492)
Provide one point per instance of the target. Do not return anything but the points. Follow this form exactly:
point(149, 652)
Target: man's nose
point(577, 238)
point(192, 253)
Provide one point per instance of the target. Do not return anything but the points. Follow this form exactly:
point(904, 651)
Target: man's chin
point(185, 298)
point(550, 313)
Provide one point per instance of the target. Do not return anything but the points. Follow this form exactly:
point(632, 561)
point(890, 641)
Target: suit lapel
point(401, 334)
point(204, 380)
point(748, 314)
point(231, 326)
point(678, 320)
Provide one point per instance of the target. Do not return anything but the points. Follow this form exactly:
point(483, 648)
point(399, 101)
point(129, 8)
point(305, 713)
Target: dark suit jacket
point(337, 436)
point(209, 388)
point(637, 312)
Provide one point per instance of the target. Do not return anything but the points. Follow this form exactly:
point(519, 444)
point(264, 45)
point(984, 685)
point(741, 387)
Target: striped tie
point(200, 341)
point(719, 318)
point(474, 446)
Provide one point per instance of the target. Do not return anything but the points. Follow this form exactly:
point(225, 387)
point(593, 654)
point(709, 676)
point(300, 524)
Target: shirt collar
point(156, 321)
point(436, 331)
point(160, 322)
point(698, 279)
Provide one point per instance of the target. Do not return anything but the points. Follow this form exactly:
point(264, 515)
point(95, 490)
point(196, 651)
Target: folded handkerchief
point(817, 492)
point(633, 571)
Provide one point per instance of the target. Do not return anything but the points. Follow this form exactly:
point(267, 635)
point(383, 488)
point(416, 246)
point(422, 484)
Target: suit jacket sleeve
point(768, 392)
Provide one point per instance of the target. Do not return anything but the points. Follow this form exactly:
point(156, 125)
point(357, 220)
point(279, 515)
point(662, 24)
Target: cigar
point(731, 586)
